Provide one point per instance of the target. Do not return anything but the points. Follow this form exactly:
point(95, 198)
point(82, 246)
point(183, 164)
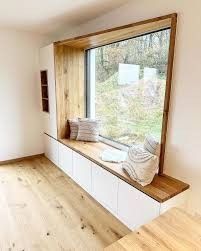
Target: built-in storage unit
point(47, 72)
point(44, 90)
point(132, 206)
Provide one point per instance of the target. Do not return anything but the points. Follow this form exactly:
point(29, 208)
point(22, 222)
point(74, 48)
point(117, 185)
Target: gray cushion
point(74, 123)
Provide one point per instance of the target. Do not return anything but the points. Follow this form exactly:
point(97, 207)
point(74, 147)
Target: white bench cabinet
point(82, 171)
point(130, 205)
point(105, 188)
point(51, 149)
point(66, 159)
point(134, 207)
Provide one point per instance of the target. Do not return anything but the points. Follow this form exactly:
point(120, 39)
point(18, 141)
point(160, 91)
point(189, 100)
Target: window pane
point(127, 86)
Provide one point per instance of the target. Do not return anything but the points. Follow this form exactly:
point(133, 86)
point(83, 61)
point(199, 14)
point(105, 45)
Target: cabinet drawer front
point(104, 187)
point(51, 149)
point(134, 207)
point(82, 171)
point(66, 159)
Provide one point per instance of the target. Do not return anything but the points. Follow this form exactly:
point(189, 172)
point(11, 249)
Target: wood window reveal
point(44, 90)
point(70, 69)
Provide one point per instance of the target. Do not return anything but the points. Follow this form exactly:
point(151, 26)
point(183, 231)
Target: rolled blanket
point(152, 145)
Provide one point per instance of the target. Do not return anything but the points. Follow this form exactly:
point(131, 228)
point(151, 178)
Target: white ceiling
point(47, 16)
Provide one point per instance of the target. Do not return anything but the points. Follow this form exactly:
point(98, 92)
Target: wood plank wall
point(69, 71)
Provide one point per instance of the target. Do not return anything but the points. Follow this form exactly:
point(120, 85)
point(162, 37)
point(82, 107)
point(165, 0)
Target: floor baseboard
point(20, 159)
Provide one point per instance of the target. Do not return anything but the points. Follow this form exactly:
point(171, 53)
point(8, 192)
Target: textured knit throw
point(140, 165)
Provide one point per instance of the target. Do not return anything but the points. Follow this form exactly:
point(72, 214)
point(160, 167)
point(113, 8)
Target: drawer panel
point(104, 187)
point(134, 207)
point(66, 159)
point(51, 149)
point(82, 171)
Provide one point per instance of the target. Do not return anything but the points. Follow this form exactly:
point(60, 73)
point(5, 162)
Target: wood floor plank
point(174, 230)
point(41, 209)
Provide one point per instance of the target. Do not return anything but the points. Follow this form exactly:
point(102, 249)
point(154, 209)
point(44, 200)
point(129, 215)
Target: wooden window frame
point(70, 70)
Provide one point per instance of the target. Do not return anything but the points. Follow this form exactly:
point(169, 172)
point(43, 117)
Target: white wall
point(20, 112)
point(183, 151)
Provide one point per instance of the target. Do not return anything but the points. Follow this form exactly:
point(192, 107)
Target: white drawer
point(66, 159)
point(134, 207)
point(82, 171)
point(104, 187)
point(51, 149)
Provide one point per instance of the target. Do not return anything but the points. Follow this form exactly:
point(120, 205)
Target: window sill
point(161, 189)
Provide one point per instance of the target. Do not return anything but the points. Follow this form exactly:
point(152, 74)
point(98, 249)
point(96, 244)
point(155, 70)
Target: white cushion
point(88, 130)
point(140, 165)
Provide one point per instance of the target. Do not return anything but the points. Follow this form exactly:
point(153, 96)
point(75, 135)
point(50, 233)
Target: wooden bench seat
point(161, 189)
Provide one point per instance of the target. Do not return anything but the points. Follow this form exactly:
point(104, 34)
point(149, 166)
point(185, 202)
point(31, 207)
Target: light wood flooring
point(41, 208)
point(175, 230)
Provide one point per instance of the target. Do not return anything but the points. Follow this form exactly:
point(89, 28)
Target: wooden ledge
point(161, 189)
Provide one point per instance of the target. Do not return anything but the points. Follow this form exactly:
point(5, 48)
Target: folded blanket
point(113, 155)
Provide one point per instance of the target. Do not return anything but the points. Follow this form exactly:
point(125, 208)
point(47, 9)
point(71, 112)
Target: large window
point(126, 84)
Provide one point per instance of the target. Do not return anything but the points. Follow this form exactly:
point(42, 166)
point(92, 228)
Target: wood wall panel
point(119, 33)
point(69, 67)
